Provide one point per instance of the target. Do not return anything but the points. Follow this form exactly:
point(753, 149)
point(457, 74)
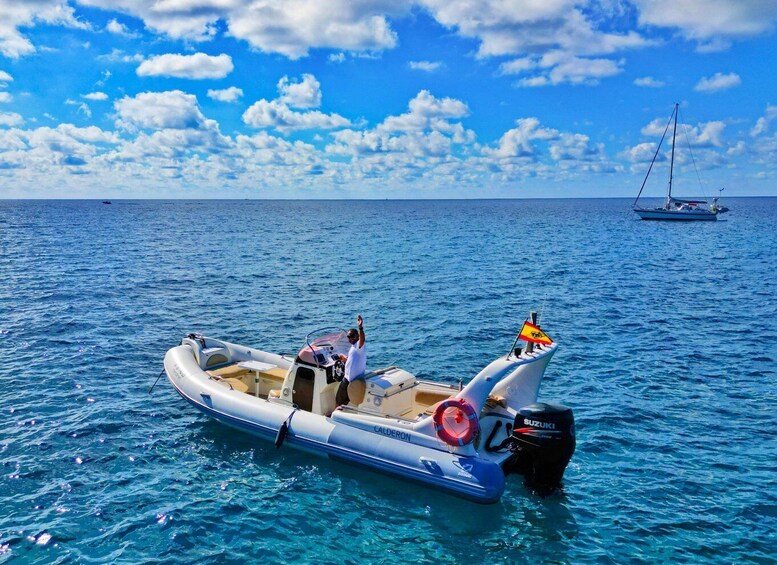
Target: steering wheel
point(338, 370)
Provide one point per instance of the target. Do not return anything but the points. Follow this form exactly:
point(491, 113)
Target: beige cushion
point(433, 408)
point(430, 398)
point(237, 385)
point(229, 371)
point(275, 372)
point(274, 393)
point(356, 390)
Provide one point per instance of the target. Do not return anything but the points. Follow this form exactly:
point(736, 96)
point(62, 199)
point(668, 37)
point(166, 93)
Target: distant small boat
point(716, 206)
point(674, 208)
point(106, 201)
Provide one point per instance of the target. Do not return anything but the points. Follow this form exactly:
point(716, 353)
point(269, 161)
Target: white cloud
point(427, 113)
point(5, 78)
point(518, 142)
point(95, 96)
point(119, 56)
point(17, 15)
point(119, 28)
point(709, 134)
point(576, 147)
point(82, 107)
point(649, 82)
point(230, 94)
point(584, 71)
point(519, 28)
point(10, 119)
point(276, 114)
point(710, 20)
point(159, 110)
point(273, 26)
point(641, 153)
point(292, 28)
point(558, 67)
point(337, 57)
point(303, 94)
point(197, 66)
point(718, 82)
point(426, 66)
point(5, 97)
point(517, 66)
point(279, 114)
point(764, 122)
point(426, 132)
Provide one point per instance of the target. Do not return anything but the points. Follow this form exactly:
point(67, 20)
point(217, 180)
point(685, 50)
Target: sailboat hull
point(677, 215)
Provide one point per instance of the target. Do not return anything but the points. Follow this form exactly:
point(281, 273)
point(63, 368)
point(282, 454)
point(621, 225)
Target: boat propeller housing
point(542, 443)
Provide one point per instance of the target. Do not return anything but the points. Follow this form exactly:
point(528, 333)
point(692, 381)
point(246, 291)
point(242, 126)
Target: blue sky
point(384, 98)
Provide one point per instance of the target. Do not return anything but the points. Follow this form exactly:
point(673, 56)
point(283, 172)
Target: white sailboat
point(673, 208)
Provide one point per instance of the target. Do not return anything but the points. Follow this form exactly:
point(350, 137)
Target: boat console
point(388, 391)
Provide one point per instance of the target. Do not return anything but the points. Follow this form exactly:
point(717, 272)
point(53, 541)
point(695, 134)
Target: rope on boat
point(156, 381)
point(284, 429)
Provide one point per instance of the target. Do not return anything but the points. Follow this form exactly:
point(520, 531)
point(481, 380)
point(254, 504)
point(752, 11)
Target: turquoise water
point(667, 355)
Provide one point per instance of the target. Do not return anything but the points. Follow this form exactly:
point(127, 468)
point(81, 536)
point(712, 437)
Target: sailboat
point(673, 208)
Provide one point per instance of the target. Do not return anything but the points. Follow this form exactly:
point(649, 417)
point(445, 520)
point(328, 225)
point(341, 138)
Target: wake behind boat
point(461, 440)
point(675, 208)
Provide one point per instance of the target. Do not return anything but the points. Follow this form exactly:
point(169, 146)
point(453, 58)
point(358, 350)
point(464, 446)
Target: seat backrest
point(356, 390)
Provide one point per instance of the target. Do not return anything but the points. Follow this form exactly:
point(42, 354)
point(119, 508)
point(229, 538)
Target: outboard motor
point(542, 441)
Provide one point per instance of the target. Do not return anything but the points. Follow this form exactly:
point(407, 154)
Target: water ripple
point(667, 356)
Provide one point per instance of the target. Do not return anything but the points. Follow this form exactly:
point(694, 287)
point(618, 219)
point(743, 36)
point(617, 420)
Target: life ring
point(456, 422)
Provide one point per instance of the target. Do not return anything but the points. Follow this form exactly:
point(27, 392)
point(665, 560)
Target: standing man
point(355, 362)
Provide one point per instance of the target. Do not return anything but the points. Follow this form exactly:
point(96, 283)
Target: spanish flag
point(533, 334)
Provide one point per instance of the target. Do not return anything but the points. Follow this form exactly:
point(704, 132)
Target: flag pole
point(533, 318)
point(529, 346)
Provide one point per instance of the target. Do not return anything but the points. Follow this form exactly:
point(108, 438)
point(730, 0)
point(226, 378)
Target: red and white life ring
point(456, 422)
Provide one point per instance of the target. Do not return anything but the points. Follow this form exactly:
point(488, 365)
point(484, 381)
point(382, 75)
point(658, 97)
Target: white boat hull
point(404, 448)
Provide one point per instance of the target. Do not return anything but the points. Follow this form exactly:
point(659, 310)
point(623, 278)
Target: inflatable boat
point(463, 440)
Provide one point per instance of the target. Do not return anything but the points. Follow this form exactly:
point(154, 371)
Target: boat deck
point(268, 383)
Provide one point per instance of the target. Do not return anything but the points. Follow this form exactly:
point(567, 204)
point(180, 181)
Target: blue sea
point(668, 357)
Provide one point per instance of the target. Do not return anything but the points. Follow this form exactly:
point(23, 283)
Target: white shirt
point(356, 363)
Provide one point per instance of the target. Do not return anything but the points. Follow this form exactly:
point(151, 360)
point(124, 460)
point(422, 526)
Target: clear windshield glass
point(319, 350)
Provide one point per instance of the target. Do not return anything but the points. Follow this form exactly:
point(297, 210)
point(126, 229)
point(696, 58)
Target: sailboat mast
point(674, 133)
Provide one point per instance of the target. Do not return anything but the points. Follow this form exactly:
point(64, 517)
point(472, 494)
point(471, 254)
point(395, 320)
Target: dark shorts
point(342, 393)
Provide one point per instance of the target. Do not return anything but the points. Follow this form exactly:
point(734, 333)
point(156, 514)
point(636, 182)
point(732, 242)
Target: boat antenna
point(650, 168)
point(674, 134)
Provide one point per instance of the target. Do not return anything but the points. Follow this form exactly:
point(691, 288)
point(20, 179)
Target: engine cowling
point(542, 442)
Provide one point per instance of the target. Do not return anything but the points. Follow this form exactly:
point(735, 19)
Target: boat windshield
point(319, 351)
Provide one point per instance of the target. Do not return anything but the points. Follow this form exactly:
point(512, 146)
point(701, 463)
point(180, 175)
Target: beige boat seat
point(237, 385)
point(277, 372)
point(356, 391)
point(430, 398)
point(234, 384)
point(229, 372)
